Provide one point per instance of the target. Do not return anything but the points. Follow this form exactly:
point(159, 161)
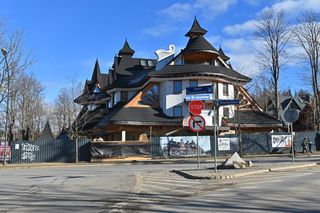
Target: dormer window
point(92, 107)
point(124, 96)
point(150, 63)
point(143, 62)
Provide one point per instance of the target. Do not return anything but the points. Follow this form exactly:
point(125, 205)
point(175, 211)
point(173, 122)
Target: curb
point(281, 168)
point(187, 175)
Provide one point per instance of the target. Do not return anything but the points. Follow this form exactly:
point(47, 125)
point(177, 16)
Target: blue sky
point(66, 36)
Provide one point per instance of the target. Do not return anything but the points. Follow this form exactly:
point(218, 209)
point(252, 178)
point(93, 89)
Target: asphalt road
point(285, 191)
point(113, 188)
point(96, 188)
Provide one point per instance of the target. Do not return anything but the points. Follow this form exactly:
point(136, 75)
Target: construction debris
point(235, 162)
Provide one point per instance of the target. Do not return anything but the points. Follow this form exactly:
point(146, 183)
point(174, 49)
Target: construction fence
point(41, 151)
point(251, 144)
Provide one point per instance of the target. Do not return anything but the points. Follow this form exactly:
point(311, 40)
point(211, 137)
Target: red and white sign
point(195, 107)
point(197, 123)
point(8, 152)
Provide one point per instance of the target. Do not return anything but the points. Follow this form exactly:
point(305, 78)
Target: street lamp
point(5, 53)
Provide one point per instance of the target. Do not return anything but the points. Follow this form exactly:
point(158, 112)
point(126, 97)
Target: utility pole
point(5, 53)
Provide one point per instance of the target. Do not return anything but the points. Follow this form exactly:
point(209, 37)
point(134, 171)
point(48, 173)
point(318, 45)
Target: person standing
point(304, 144)
point(310, 146)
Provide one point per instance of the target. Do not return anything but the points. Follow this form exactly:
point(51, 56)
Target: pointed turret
point(222, 55)
point(96, 72)
point(197, 42)
point(46, 132)
point(126, 49)
point(196, 29)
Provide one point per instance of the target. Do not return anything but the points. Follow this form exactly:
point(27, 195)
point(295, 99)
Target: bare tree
point(27, 105)
point(19, 60)
point(65, 110)
point(307, 36)
point(273, 31)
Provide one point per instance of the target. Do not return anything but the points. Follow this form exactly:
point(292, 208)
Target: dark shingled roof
point(97, 77)
point(199, 69)
point(95, 98)
point(196, 29)
point(105, 119)
point(222, 55)
point(126, 49)
point(199, 43)
point(130, 73)
point(46, 133)
point(63, 135)
point(144, 116)
point(254, 118)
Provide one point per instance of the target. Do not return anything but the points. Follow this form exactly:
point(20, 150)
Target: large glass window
point(177, 111)
point(225, 89)
point(193, 83)
point(124, 96)
point(177, 87)
point(226, 112)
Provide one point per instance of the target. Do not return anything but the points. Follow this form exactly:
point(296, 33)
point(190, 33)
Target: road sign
point(291, 115)
point(201, 93)
point(197, 123)
point(222, 102)
point(195, 107)
point(200, 97)
point(199, 90)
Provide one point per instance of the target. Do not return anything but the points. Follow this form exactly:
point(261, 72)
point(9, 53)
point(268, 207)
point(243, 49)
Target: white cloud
point(253, 2)
point(240, 29)
point(177, 11)
point(180, 12)
point(242, 53)
point(210, 8)
point(293, 7)
point(214, 40)
point(159, 30)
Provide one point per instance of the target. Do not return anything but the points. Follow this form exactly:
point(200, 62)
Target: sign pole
point(215, 138)
point(292, 149)
point(198, 157)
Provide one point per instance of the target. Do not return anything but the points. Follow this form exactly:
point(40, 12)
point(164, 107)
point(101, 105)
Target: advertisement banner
point(185, 146)
point(8, 151)
point(223, 144)
point(281, 140)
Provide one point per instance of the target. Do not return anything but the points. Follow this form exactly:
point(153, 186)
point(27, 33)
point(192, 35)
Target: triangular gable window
point(97, 90)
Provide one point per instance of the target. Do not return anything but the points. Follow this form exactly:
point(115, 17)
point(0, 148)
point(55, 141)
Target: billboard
point(281, 140)
point(185, 146)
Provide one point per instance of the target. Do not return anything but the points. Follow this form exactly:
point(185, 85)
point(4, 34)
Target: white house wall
point(168, 100)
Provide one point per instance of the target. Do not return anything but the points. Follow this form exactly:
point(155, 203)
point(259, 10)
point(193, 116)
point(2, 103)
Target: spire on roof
point(222, 55)
point(126, 49)
point(46, 132)
point(96, 72)
point(196, 29)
